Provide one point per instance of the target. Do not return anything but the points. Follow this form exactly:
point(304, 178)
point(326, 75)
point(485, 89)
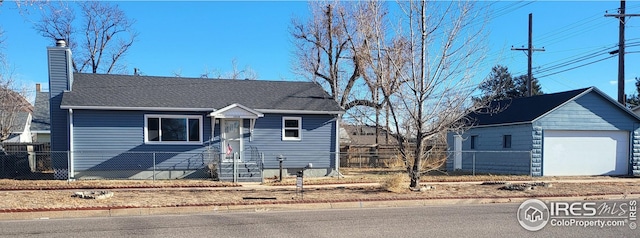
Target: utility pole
point(530, 51)
point(621, 16)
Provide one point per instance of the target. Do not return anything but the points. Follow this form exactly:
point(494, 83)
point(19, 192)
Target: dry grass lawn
point(49, 194)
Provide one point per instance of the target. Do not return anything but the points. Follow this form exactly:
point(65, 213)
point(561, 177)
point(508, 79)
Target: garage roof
point(527, 109)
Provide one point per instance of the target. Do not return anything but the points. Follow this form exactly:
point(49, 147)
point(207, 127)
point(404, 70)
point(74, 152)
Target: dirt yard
point(16, 195)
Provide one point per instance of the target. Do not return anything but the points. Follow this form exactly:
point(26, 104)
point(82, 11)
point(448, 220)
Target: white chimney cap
point(61, 43)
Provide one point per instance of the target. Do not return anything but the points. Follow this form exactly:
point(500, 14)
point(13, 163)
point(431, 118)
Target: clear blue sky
point(192, 37)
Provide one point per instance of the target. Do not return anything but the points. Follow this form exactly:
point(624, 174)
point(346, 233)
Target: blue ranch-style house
point(578, 132)
point(143, 127)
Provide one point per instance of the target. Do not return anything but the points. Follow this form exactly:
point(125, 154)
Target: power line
point(622, 18)
point(572, 68)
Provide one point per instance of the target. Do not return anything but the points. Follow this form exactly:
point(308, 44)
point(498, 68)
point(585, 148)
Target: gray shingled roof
point(127, 91)
point(40, 120)
point(19, 121)
point(520, 110)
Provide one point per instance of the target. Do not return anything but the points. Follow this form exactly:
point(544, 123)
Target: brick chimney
point(38, 87)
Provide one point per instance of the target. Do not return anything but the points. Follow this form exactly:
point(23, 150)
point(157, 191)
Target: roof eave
point(503, 124)
point(182, 109)
point(284, 111)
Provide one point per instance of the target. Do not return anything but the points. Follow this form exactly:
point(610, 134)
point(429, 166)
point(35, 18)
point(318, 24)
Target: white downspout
point(213, 130)
point(338, 117)
point(252, 123)
point(71, 147)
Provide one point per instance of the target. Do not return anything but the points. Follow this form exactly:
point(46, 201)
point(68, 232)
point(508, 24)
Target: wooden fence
point(17, 159)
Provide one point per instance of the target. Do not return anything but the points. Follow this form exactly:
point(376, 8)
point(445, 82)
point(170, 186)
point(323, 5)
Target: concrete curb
point(208, 209)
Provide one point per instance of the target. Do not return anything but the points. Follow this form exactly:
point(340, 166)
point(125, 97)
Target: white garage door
point(585, 153)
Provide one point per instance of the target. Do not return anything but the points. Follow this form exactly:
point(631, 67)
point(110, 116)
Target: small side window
point(291, 128)
point(506, 141)
point(474, 140)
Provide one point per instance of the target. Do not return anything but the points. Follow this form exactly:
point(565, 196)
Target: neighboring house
point(358, 146)
point(113, 123)
point(21, 128)
point(40, 125)
point(365, 135)
point(15, 116)
point(579, 132)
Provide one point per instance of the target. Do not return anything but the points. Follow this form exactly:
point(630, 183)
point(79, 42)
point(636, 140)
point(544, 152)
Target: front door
point(232, 139)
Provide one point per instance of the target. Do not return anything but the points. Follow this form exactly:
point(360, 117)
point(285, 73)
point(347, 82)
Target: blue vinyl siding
point(58, 83)
point(114, 140)
point(490, 156)
point(589, 112)
point(317, 145)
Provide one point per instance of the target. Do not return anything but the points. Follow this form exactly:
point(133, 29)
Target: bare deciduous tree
point(235, 73)
point(13, 103)
point(446, 43)
point(99, 39)
point(14, 107)
point(376, 54)
point(325, 51)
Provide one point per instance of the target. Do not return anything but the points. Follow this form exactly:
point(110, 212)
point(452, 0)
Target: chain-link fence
point(472, 162)
point(490, 162)
point(204, 164)
point(253, 165)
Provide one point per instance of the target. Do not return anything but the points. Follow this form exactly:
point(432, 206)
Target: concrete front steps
point(246, 172)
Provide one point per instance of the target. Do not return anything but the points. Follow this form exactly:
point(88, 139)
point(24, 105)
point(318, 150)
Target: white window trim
point(160, 116)
point(299, 119)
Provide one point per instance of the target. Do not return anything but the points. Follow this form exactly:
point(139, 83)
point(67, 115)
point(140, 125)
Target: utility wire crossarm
point(622, 17)
point(529, 51)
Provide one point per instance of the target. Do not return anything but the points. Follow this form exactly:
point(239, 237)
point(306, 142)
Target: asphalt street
point(487, 220)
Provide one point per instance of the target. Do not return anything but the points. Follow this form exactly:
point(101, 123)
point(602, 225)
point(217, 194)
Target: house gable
point(41, 121)
point(521, 110)
point(591, 111)
point(236, 111)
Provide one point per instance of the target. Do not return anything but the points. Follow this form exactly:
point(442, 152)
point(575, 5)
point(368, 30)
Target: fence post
point(69, 166)
point(474, 163)
point(154, 166)
point(261, 167)
point(235, 167)
point(3, 173)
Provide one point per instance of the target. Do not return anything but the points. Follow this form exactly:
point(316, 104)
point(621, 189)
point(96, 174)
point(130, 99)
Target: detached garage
point(579, 132)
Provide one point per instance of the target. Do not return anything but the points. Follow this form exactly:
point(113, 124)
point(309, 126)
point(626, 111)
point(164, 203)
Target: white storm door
point(232, 139)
